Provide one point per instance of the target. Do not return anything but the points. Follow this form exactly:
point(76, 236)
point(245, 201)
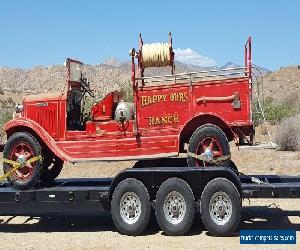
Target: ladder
point(259, 109)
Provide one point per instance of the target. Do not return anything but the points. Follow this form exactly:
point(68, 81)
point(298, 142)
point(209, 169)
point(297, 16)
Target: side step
point(258, 146)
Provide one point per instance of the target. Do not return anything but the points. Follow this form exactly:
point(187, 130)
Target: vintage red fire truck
point(198, 112)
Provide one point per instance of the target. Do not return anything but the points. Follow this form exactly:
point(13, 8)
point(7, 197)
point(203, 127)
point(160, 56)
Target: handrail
point(191, 73)
point(195, 75)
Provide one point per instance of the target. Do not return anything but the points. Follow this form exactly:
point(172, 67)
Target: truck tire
point(175, 207)
point(52, 167)
point(22, 146)
point(210, 141)
point(130, 207)
point(220, 207)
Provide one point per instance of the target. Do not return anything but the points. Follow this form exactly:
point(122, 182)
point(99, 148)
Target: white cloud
point(190, 56)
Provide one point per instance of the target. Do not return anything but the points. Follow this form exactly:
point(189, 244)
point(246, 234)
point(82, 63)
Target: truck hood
point(43, 97)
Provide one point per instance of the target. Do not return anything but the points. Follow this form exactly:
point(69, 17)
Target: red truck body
point(165, 116)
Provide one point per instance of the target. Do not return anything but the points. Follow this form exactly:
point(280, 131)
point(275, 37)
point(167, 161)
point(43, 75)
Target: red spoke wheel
point(21, 147)
point(22, 152)
point(210, 142)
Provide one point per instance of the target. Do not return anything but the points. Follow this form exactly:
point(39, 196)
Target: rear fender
point(22, 124)
point(201, 119)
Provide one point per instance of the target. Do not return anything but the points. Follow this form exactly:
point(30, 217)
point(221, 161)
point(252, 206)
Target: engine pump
point(124, 111)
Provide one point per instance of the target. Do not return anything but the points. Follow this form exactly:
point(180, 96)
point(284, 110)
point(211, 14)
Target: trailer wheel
point(208, 141)
point(175, 207)
point(130, 207)
point(21, 147)
point(220, 207)
point(52, 167)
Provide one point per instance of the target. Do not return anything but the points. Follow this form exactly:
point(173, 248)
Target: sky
point(205, 33)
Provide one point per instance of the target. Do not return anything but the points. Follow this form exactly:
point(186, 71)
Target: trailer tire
point(52, 167)
point(130, 207)
point(22, 143)
point(175, 193)
point(220, 207)
point(201, 139)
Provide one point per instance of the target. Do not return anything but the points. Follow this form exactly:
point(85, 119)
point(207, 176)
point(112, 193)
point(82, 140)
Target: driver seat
point(103, 110)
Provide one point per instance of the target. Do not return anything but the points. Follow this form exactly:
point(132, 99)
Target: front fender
point(22, 124)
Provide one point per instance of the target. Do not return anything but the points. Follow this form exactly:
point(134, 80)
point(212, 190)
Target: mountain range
point(114, 75)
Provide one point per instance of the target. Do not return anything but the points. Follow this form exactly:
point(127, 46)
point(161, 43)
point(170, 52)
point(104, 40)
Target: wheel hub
point(220, 208)
point(130, 207)
point(174, 207)
point(21, 160)
point(208, 154)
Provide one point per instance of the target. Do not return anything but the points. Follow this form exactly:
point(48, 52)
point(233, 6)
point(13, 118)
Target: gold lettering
point(175, 118)
point(186, 98)
point(157, 120)
point(159, 98)
point(164, 120)
point(151, 121)
point(172, 97)
point(144, 100)
point(149, 100)
point(181, 95)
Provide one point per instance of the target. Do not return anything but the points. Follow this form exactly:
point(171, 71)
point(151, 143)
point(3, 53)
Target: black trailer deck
point(63, 196)
point(270, 186)
point(92, 195)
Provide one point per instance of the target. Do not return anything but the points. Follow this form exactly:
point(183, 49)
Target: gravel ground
point(100, 233)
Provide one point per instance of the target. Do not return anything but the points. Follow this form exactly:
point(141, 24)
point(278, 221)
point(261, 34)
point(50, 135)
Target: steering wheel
point(86, 87)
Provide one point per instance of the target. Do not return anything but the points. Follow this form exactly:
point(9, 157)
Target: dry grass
point(288, 138)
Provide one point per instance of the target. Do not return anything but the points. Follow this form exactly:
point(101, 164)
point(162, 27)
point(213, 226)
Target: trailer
point(175, 194)
point(194, 113)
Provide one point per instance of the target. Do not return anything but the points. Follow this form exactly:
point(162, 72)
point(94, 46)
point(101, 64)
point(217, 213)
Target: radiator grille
point(47, 118)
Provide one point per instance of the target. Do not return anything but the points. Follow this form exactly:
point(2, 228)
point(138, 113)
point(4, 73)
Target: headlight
point(19, 108)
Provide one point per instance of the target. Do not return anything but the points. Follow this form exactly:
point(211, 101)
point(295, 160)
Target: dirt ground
point(100, 233)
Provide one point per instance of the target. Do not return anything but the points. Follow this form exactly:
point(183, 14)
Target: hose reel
point(153, 55)
point(156, 55)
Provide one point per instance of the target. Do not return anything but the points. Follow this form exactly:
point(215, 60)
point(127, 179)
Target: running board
point(259, 146)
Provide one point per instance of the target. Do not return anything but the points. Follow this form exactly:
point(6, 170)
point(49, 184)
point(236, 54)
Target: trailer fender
point(196, 177)
point(21, 124)
point(222, 172)
point(128, 173)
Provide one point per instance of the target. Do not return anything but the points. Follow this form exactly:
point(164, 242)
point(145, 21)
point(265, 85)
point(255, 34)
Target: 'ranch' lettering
point(173, 97)
point(162, 120)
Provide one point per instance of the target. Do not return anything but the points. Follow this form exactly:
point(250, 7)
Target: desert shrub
point(6, 114)
point(288, 138)
point(274, 112)
point(126, 90)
